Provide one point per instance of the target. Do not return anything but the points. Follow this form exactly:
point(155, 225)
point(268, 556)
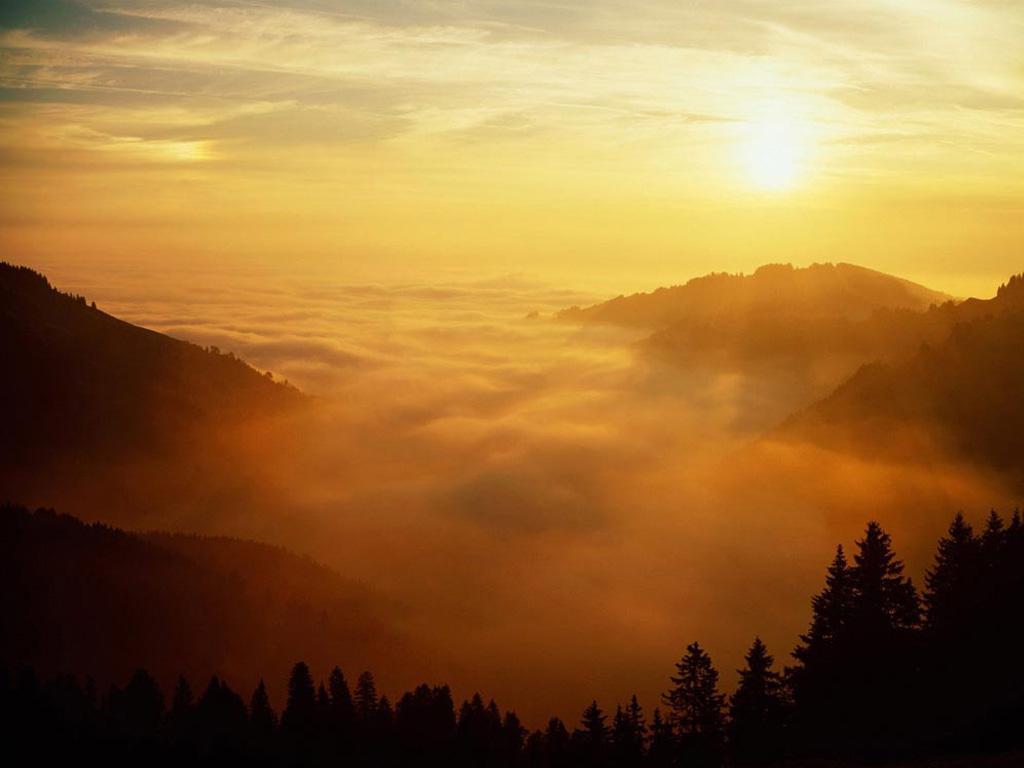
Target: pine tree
point(222, 717)
point(756, 710)
point(261, 715)
point(881, 657)
point(513, 736)
point(143, 704)
point(952, 583)
point(340, 717)
point(621, 735)
point(993, 536)
point(831, 609)
point(299, 716)
point(383, 716)
point(182, 700)
point(662, 749)
point(181, 717)
point(883, 599)
point(366, 697)
point(591, 738)
point(819, 677)
point(629, 734)
point(557, 743)
point(696, 708)
point(342, 706)
point(593, 728)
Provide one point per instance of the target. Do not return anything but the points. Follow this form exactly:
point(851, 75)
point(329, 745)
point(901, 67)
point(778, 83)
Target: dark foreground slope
point(99, 601)
point(882, 675)
point(121, 424)
point(961, 396)
point(79, 383)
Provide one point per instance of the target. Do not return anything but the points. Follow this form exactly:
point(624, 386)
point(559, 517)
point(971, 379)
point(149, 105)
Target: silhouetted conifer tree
point(629, 734)
point(953, 600)
point(513, 736)
point(884, 601)
point(342, 706)
point(831, 610)
point(425, 724)
point(138, 709)
point(590, 740)
point(757, 710)
point(223, 722)
point(261, 715)
point(818, 680)
point(479, 730)
point(366, 697)
point(662, 750)
point(696, 708)
point(952, 582)
point(183, 700)
point(992, 537)
point(340, 715)
point(299, 716)
point(557, 743)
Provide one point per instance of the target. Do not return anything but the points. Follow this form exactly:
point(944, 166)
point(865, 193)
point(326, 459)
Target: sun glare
point(774, 150)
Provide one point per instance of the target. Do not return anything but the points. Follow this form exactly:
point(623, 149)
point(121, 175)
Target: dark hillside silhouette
point(796, 333)
point(102, 602)
point(960, 397)
point(875, 679)
point(79, 383)
point(825, 345)
point(814, 292)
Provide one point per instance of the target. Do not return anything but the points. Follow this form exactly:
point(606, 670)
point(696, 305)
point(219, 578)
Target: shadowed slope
point(104, 602)
point(962, 394)
point(80, 382)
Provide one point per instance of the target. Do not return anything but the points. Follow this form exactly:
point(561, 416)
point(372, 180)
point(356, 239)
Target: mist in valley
point(541, 507)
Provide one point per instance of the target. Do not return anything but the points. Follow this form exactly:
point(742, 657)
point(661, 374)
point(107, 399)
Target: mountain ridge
point(116, 600)
point(820, 289)
point(82, 381)
point(959, 394)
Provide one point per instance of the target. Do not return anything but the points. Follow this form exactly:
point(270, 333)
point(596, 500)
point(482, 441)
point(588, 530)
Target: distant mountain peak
point(817, 290)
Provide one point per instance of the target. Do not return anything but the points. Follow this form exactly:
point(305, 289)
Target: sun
point(774, 150)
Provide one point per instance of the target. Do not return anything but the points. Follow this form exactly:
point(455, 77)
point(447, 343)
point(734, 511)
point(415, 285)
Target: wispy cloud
point(470, 122)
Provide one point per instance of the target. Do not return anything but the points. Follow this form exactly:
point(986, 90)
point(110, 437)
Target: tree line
point(883, 671)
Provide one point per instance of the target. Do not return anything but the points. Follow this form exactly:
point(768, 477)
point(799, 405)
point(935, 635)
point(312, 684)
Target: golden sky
point(612, 143)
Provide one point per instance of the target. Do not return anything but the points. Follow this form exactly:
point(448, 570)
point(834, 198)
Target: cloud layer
point(550, 515)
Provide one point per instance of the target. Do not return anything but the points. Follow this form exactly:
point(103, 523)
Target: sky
point(605, 144)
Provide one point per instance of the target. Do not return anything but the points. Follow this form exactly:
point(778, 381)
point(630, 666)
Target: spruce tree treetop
point(884, 599)
point(182, 700)
point(366, 696)
point(756, 709)
point(952, 582)
point(695, 702)
point(300, 709)
point(340, 695)
point(831, 609)
point(263, 718)
point(593, 726)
